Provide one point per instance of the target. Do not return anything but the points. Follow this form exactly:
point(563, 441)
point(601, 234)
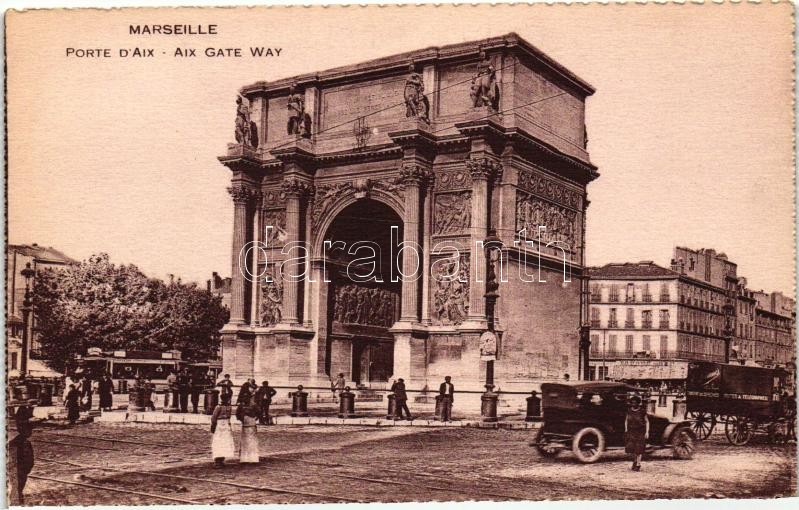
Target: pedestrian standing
point(222, 443)
point(19, 455)
point(72, 403)
point(400, 400)
point(86, 398)
point(198, 384)
point(226, 386)
point(447, 390)
point(106, 390)
point(263, 397)
point(636, 430)
point(151, 394)
point(171, 390)
point(338, 385)
point(247, 413)
point(245, 393)
point(183, 382)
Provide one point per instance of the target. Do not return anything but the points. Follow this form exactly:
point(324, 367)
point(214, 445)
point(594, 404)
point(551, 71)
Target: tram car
point(746, 399)
point(126, 366)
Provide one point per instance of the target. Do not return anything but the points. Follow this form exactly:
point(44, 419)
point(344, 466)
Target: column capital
point(483, 168)
point(412, 172)
point(296, 188)
point(243, 194)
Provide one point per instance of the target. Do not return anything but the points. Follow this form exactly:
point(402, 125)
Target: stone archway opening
point(363, 300)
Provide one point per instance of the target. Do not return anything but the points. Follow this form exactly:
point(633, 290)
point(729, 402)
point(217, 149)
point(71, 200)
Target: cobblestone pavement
point(162, 463)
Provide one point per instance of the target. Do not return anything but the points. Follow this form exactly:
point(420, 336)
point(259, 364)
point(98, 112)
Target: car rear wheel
point(588, 445)
point(683, 443)
point(543, 447)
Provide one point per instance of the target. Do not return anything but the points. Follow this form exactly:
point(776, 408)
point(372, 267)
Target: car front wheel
point(683, 443)
point(588, 445)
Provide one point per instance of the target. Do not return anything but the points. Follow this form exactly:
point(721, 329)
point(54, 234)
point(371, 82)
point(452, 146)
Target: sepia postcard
point(380, 254)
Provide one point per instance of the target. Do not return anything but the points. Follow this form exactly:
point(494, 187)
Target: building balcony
point(665, 298)
point(596, 298)
point(629, 324)
point(646, 325)
point(613, 299)
point(647, 298)
point(595, 323)
point(663, 325)
point(613, 324)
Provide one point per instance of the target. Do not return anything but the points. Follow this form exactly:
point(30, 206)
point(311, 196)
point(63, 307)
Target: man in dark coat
point(263, 398)
point(198, 384)
point(246, 392)
point(72, 403)
point(447, 390)
point(400, 400)
point(19, 455)
point(226, 386)
point(184, 386)
point(106, 388)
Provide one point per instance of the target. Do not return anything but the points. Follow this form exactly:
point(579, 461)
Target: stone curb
point(203, 419)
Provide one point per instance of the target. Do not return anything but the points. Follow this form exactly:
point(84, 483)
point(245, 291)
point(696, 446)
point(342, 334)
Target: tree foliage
point(99, 304)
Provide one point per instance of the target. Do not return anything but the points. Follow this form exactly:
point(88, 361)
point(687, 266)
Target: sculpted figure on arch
point(299, 122)
point(485, 91)
point(416, 104)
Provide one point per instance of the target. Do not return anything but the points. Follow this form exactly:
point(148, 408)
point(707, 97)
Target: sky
point(691, 126)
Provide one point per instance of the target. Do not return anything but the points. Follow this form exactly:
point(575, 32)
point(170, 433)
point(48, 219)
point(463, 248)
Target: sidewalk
point(373, 421)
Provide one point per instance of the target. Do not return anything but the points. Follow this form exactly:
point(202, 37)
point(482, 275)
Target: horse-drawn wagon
point(746, 399)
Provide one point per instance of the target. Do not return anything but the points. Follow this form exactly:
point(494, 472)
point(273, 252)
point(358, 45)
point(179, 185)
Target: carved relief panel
point(452, 213)
point(369, 306)
point(276, 234)
point(450, 299)
point(547, 187)
point(271, 299)
point(560, 222)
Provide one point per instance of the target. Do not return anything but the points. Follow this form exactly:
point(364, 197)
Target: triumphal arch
point(389, 213)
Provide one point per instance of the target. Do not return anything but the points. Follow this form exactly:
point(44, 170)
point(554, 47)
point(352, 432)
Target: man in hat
point(263, 398)
point(400, 400)
point(447, 390)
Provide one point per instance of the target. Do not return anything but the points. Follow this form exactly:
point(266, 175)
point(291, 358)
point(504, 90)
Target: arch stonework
point(463, 175)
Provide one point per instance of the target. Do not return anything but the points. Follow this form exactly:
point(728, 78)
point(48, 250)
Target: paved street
point(166, 463)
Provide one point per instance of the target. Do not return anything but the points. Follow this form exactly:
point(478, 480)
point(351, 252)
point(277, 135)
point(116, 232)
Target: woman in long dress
point(72, 403)
point(222, 443)
point(247, 413)
point(636, 430)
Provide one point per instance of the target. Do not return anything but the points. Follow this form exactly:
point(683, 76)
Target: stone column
point(427, 229)
point(295, 189)
point(482, 170)
point(413, 176)
point(257, 237)
point(241, 197)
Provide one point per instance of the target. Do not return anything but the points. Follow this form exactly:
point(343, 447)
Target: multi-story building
point(775, 319)
point(17, 257)
point(648, 321)
point(219, 286)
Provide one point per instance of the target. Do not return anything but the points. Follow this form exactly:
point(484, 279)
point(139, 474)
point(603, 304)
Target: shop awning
point(648, 369)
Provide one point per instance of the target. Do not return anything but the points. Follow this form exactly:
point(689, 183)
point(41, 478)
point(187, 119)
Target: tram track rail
point(276, 490)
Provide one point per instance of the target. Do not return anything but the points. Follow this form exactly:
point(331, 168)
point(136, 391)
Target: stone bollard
point(346, 405)
point(299, 402)
point(679, 409)
point(210, 401)
point(392, 407)
point(488, 406)
point(533, 407)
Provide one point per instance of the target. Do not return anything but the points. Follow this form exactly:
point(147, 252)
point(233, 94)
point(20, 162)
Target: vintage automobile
point(588, 418)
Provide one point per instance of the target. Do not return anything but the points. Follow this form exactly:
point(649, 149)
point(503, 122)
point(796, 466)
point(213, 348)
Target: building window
point(596, 294)
point(664, 319)
point(664, 293)
point(594, 345)
point(646, 319)
point(664, 345)
point(629, 297)
point(614, 293)
point(628, 343)
point(612, 344)
point(646, 296)
point(612, 320)
point(647, 343)
point(594, 317)
point(629, 321)
point(592, 373)
point(14, 361)
point(603, 373)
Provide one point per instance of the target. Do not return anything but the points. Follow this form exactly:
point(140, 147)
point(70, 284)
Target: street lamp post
point(27, 308)
point(488, 409)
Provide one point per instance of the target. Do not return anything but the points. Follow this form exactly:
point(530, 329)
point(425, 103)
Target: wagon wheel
point(778, 432)
point(739, 430)
point(703, 424)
